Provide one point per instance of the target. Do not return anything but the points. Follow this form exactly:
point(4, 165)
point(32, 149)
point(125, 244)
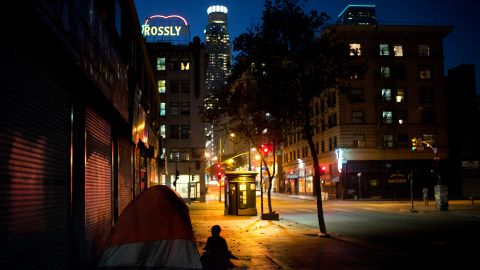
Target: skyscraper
point(217, 41)
point(358, 14)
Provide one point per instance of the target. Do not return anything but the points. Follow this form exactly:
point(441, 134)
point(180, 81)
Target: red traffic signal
point(266, 149)
point(323, 169)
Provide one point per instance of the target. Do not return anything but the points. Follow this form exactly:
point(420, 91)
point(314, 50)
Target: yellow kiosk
point(241, 189)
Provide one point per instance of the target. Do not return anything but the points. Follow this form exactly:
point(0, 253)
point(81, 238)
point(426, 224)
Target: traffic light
point(414, 143)
point(323, 169)
point(177, 175)
point(266, 149)
point(219, 175)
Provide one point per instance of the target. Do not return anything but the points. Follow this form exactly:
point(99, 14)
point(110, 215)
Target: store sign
point(165, 26)
point(161, 30)
point(397, 178)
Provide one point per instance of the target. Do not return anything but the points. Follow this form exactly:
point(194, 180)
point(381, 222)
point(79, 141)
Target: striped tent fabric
point(153, 232)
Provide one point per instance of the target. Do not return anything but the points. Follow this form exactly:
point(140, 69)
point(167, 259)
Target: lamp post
point(359, 174)
point(411, 192)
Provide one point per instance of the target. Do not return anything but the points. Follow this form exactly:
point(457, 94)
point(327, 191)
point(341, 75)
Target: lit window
point(398, 50)
point(388, 140)
point(162, 108)
point(384, 49)
point(386, 94)
point(355, 49)
point(423, 50)
point(425, 73)
point(162, 131)
point(385, 72)
point(401, 117)
point(161, 86)
point(387, 117)
point(185, 65)
point(161, 65)
point(400, 95)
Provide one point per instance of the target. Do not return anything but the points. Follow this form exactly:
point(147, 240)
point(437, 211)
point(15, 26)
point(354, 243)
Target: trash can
point(241, 199)
point(441, 197)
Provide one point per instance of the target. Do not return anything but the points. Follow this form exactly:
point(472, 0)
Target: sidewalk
point(263, 244)
point(284, 244)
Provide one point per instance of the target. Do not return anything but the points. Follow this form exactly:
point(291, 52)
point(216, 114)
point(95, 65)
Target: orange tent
point(154, 231)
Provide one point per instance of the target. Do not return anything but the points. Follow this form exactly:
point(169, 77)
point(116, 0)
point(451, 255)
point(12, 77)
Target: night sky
point(460, 46)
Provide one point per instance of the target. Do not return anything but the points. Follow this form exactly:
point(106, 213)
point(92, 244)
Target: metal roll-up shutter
point(98, 183)
point(125, 176)
point(34, 163)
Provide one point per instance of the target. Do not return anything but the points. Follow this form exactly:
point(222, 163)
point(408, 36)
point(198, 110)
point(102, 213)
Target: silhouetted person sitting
point(217, 253)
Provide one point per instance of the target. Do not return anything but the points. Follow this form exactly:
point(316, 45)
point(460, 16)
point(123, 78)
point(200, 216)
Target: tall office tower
point(217, 41)
point(358, 14)
point(217, 46)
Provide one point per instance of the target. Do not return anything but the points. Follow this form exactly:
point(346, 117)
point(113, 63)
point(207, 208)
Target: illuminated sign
point(165, 28)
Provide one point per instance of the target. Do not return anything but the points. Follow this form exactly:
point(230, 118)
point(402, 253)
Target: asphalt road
point(441, 237)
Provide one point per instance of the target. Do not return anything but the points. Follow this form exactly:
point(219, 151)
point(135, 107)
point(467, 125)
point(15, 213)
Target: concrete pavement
point(284, 244)
point(262, 244)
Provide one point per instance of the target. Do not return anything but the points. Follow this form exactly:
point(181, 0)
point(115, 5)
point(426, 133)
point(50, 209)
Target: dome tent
point(154, 232)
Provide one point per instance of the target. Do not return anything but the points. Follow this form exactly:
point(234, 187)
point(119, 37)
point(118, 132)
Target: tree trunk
point(316, 178)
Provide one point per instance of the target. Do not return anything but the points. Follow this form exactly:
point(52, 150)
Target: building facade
point(77, 105)
point(180, 72)
point(464, 150)
point(364, 136)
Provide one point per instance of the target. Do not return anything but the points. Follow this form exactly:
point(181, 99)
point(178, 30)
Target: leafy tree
point(281, 67)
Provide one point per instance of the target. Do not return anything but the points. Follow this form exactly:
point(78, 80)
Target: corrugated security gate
point(34, 162)
point(98, 182)
point(125, 177)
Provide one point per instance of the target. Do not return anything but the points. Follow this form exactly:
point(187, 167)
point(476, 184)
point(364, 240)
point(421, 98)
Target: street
point(364, 234)
point(390, 225)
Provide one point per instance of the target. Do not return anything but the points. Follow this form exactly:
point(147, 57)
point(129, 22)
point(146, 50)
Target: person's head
point(216, 230)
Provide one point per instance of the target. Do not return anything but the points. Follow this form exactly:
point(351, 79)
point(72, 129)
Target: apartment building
point(364, 135)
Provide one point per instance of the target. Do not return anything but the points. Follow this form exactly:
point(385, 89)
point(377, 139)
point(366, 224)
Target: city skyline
point(459, 46)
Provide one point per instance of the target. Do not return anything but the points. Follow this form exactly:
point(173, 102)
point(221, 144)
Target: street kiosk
point(241, 189)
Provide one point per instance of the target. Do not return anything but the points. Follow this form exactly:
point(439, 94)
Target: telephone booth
point(241, 188)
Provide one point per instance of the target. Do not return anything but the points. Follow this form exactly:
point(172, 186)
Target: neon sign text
point(169, 29)
point(148, 30)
